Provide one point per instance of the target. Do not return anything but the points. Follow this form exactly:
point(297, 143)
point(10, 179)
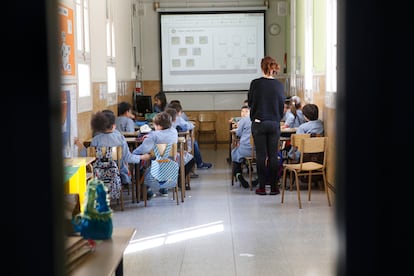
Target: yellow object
point(77, 181)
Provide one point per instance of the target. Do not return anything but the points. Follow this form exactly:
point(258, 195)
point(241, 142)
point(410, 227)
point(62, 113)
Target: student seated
point(106, 135)
point(294, 114)
point(183, 125)
point(164, 133)
point(124, 122)
point(313, 126)
point(189, 160)
point(244, 148)
point(235, 120)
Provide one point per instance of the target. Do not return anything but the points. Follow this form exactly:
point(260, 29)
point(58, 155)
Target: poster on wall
point(69, 120)
point(66, 41)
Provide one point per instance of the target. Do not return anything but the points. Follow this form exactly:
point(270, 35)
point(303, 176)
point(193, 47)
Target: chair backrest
point(207, 121)
point(163, 171)
point(116, 153)
point(295, 139)
point(314, 145)
point(107, 167)
point(162, 147)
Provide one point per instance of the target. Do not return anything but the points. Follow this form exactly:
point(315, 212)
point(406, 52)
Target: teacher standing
point(266, 100)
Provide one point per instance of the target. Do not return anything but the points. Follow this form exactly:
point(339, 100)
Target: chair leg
point(121, 198)
point(326, 188)
point(292, 180)
point(144, 194)
point(298, 189)
point(309, 186)
point(187, 181)
point(250, 175)
point(283, 184)
point(175, 192)
point(232, 174)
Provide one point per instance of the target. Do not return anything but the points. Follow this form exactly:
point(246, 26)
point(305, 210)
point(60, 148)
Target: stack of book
point(77, 248)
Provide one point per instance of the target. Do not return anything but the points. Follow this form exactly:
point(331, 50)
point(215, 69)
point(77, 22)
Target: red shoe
point(261, 191)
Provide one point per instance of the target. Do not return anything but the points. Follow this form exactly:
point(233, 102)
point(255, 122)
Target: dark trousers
point(237, 168)
point(266, 136)
point(187, 169)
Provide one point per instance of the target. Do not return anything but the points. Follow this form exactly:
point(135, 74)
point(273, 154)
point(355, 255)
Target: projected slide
point(211, 52)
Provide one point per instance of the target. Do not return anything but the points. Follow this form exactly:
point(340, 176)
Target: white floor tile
point(228, 230)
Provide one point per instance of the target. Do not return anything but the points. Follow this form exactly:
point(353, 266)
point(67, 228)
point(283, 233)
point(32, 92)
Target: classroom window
point(331, 48)
point(111, 56)
point(83, 55)
point(308, 73)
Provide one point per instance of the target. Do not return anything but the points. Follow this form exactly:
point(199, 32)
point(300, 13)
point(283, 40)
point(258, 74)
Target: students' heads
point(245, 111)
point(103, 121)
point(295, 104)
point(123, 108)
point(177, 106)
point(269, 66)
point(175, 101)
point(286, 106)
point(172, 112)
point(163, 120)
point(311, 111)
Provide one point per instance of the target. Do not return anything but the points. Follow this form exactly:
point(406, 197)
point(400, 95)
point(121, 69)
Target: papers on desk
point(76, 250)
point(145, 129)
point(288, 129)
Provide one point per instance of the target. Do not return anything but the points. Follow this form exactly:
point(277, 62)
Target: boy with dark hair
point(124, 121)
point(164, 133)
point(312, 125)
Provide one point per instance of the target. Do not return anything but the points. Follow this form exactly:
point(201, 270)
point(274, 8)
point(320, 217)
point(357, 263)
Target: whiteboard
point(209, 100)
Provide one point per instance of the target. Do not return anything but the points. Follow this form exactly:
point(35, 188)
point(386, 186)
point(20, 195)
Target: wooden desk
point(132, 142)
point(107, 259)
point(130, 134)
point(189, 137)
point(286, 132)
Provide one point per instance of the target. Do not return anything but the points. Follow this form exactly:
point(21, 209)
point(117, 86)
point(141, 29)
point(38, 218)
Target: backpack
point(106, 169)
point(163, 171)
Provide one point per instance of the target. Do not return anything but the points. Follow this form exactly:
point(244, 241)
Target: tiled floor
point(228, 230)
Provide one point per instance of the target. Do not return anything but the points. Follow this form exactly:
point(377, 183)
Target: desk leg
point(137, 184)
point(230, 144)
point(120, 268)
point(132, 171)
point(182, 174)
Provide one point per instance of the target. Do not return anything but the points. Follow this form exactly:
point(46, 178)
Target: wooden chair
point(295, 142)
point(314, 145)
point(173, 154)
point(251, 162)
point(117, 157)
point(207, 127)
